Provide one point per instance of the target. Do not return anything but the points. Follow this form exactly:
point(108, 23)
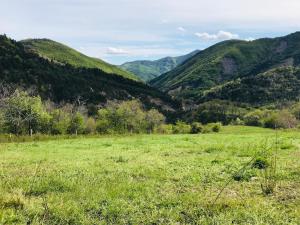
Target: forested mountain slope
point(58, 82)
point(230, 61)
point(148, 70)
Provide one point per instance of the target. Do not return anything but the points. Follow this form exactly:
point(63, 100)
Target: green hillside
point(65, 83)
point(228, 61)
point(148, 70)
point(64, 54)
point(277, 85)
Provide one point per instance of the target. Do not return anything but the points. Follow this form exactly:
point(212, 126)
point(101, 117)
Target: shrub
point(212, 127)
point(244, 176)
point(196, 128)
point(164, 129)
point(23, 113)
point(153, 119)
point(260, 163)
point(59, 121)
point(237, 122)
point(181, 128)
point(216, 127)
point(90, 126)
point(284, 119)
point(254, 118)
point(281, 119)
point(76, 125)
point(102, 126)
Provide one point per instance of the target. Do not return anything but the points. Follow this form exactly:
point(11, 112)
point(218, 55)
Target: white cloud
point(116, 51)
point(181, 29)
point(220, 36)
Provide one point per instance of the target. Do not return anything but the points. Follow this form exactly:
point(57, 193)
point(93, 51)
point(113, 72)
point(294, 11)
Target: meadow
point(151, 179)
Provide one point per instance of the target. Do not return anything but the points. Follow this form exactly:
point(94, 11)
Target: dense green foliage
point(22, 114)
point(63, 54)
point(274, 86)
point(244, 69)
point(228, 112)
point(65, 83)
point(128, 117)
point(148, 70)
point(150, 179)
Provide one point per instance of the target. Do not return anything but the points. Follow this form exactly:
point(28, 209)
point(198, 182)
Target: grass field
point(149, 179)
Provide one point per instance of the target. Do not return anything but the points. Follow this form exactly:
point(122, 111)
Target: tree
point(281, 119)
point(24, 114)
point(59, 121)
point(133, 116)
point(90, 126)
point(154, 119)
point(103, 123)
point(76, 125)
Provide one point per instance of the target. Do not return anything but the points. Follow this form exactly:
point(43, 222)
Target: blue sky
point(126, 30)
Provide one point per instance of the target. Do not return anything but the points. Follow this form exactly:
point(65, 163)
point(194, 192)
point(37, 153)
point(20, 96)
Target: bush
point(90, 126)
point(23, 113)
point(102, 126)
point(237, 122)
point(196, 128)
point(164, 129)
point(254, 118)
point(244, 176)
point(76, 125)
point(260, 163)
point(212, 127)
point(281, 119)
point(284, 119)
point(59, 121)
point(154, 119)
point(181, 128)
point(216, 127)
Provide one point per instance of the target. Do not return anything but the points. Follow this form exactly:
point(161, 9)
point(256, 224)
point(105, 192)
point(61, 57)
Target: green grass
point(148, 179)
point(64, 54)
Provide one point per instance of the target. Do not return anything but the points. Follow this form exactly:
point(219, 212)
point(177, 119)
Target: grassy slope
point(147, 180)
point(205, 70)
point(148, 70)
point(62, 53)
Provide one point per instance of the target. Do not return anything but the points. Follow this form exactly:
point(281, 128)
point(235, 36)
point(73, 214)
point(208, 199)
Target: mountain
point(63, 54)
point(148, 70)
point(65, 83)
point(277, 85)
point(237, 70)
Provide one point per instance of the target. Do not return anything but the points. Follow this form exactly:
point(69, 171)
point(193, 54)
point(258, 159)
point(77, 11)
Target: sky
point(125, 30)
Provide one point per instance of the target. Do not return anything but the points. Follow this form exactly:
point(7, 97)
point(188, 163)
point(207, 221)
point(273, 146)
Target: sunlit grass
point(148, 179)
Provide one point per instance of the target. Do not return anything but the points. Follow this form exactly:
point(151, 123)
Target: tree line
point(23, 113)
point(285, 115)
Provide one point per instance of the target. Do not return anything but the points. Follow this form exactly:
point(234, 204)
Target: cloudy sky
point(125, 30)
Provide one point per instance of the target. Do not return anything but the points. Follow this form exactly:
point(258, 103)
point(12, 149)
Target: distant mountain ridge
point(147, 70)
point(58, 82)
point(235, 65)
point(63, 54)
